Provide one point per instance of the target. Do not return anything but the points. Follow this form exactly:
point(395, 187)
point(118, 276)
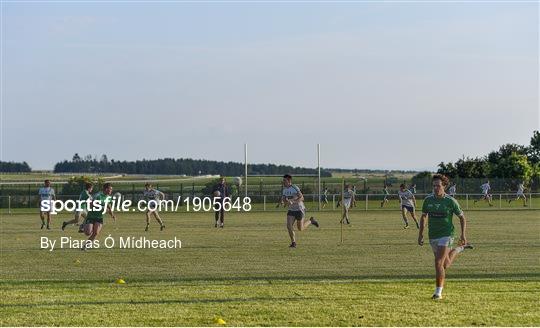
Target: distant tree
point(448, 169)
point(14, 167)
point(515, 166)
point(76, 158)
point(533, 151)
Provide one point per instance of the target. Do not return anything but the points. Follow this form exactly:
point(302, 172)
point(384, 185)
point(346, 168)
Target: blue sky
point(379, 85)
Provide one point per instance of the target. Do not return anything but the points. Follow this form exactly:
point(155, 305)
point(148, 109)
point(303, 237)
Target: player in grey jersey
point(293, 198)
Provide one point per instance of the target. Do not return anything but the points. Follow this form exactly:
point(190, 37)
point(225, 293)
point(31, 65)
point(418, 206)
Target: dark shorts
point(298, 215)
point(409, 209)
point(93, 220)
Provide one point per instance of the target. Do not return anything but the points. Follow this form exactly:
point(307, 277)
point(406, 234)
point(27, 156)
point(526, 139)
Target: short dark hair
point(107, 185)
point(88, 185)
point(402, 185)
point(442, 177)
point(287, 176)
point(49, 181)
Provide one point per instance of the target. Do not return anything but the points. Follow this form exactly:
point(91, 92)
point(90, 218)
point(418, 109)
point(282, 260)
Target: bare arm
point(421, 230)
point(463, 225)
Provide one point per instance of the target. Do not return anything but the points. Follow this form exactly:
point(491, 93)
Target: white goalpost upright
point(246, 169)
point(319, 174)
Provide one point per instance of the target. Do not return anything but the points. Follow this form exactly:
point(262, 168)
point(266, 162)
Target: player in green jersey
point(94, 220)
point(386, 194)
point(81, 211)
point(439, 208)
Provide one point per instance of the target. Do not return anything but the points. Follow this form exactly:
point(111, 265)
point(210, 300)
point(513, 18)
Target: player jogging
point(452, 190)
point(520, 194)
point(385, 193)
point(81, 210)
point(485, 193)
point(293, 198)
point(408, 204)
point(153, 198)
point(46, 196)
point(438, 209)
point(348, 195)
point(94, 219)
point(221, 190)
point(324, 197)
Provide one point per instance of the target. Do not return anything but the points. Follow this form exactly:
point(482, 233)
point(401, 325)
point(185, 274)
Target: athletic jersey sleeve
point(424, 205)
point(456, 208)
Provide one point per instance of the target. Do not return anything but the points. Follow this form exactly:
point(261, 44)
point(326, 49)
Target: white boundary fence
point(364, 202)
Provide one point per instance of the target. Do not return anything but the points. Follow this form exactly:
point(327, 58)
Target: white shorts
point(44, 202)
point(520, 194)
point(347, 202)
point(443, 241)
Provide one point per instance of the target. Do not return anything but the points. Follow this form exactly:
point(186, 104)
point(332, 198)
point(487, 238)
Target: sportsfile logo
point(117, 204)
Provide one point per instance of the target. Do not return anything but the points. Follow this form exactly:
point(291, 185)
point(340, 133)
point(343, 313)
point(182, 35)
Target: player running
point(438, 209)
point(293, 198)
point(385, 193)
point(324, 197)
point(153, 198)
point(94, 219)
point(408, 204)
point(452, 190)
point(46, 196)
point(221, 190)
point(348, 196)
point(485, 193)
point(520, 194)
point(81, 211)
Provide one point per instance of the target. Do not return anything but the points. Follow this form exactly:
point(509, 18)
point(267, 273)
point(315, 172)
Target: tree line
point(510, 161)
point(174, 166)
point(14, 167)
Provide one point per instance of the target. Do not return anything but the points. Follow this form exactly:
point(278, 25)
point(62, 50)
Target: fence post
point(530, 200)
point(29, 196)
point(9, 204)
point(333, 202)
point(264, 203)
point(367, 199)
point(500, 201)
point(467, 201)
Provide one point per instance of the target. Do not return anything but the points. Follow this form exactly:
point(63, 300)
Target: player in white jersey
point(293, 198)
point(348, 199)
point(485, 193)
point(452, 190)
point(153, 197)
point(408, 204)
point(520, 194)
point(46, 196)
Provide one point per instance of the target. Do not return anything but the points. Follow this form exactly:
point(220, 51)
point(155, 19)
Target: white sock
point(459, 249)
point(438, 290)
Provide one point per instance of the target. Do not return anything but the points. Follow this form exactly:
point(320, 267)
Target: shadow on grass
point(160, 302)
point(530, 276)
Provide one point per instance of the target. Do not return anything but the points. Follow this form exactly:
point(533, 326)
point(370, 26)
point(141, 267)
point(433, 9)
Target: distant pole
point(342, 208)
point(319, 172)
point(245, 169)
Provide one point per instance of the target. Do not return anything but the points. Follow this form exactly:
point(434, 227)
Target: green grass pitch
point(247, 275)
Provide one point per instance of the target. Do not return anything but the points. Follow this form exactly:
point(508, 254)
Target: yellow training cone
point(219, 321)
point(77, 261)
point(120, 281)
